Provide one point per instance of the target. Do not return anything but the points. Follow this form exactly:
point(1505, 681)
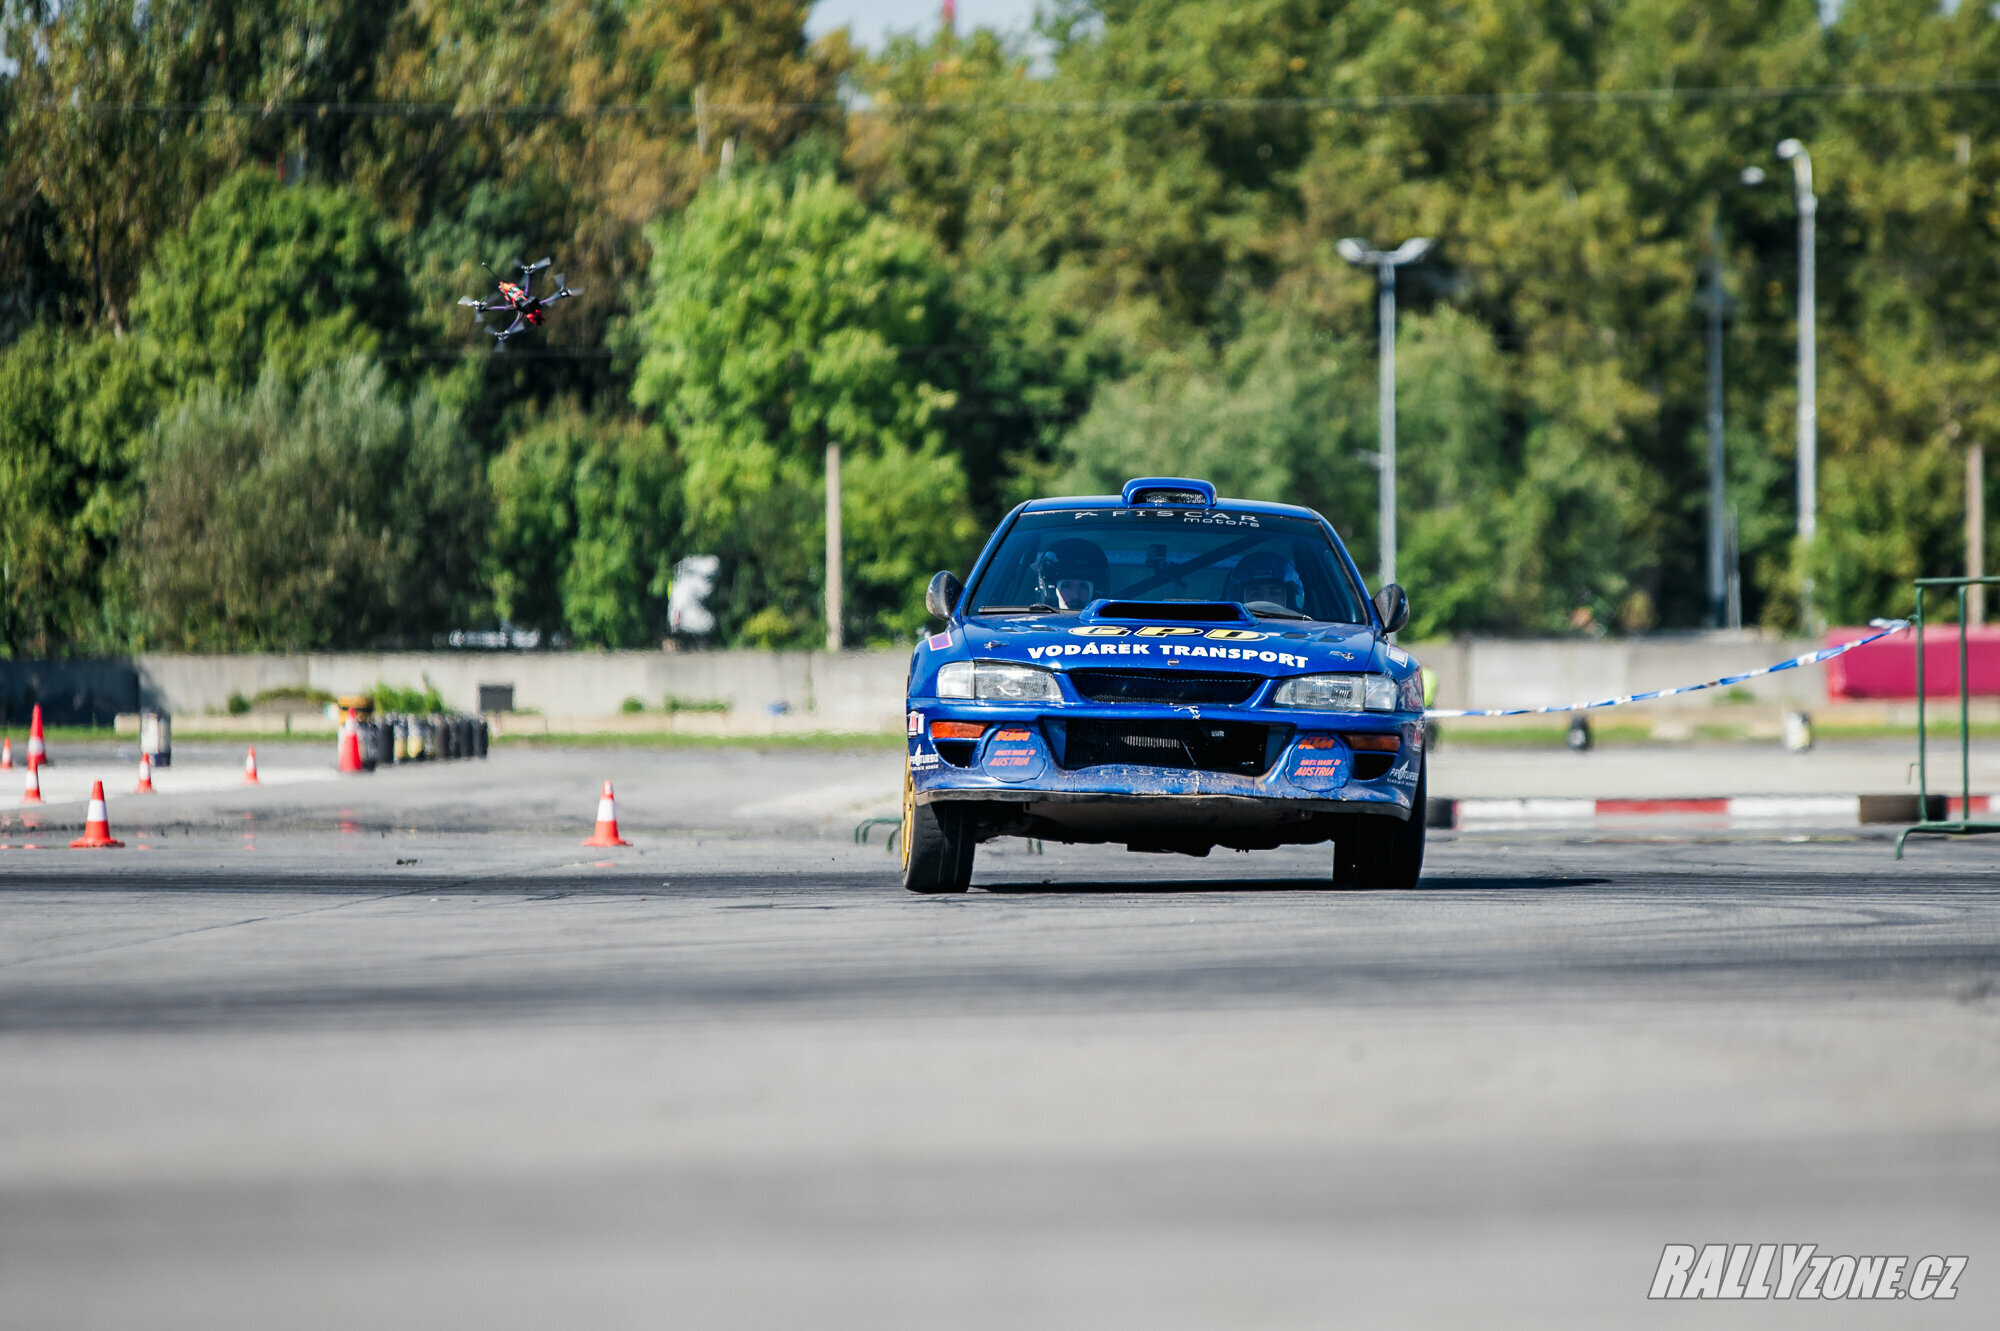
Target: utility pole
point(1718, 592)
point(1385, 263)
point(1791, 150)
point(833, 587)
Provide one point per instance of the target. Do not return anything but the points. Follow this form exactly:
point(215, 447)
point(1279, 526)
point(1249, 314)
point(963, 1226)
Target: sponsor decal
point(1011, 748)
point(1399, 656)
point(1171, 650)
point(1199, 517)
point(1055, 649)
point(921, 761)
point(1321, 762)
point(1177, 650)
point(1174, 651)
point(1014, 755)
point(1798, 1271)
point(937, 642)
point(916, 723)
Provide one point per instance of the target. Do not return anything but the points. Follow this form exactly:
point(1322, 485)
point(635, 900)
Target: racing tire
point(937, 847)
point(1388, 857)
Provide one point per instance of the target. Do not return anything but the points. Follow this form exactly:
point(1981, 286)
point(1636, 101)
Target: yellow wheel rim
point(909, 812)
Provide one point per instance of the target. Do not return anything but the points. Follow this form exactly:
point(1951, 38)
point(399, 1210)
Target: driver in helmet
point(1072, 573)
point(1268, 577)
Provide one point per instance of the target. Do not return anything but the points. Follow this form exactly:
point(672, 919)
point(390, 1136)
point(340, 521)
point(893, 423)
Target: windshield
point(1275, 567)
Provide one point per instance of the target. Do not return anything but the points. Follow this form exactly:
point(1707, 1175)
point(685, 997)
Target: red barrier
point(1888, 669)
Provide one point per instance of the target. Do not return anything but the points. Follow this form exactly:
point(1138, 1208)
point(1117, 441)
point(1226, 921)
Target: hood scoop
point(1157, 612)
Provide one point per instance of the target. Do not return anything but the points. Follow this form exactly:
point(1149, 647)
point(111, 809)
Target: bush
point(409, 702)
point(292, 693)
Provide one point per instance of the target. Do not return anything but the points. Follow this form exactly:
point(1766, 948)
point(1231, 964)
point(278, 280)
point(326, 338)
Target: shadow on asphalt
point(1317, 885)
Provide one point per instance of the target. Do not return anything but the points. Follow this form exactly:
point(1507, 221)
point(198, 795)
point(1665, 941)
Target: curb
point(1822, 809)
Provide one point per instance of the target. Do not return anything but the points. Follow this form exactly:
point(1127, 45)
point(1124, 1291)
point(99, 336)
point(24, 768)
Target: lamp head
point(1752, 175)
point(1789, 149)
point(1412, 250)
point(1352, 250)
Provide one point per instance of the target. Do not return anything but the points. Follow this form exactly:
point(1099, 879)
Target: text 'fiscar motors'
point(1171, 671)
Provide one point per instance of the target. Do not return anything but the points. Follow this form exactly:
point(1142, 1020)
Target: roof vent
point(1169, 492)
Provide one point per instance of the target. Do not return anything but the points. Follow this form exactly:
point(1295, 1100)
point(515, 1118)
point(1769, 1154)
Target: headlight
point(996, 681)
point(1337, 693)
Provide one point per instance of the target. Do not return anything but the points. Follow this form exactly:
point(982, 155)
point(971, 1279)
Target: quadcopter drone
point(518, 300)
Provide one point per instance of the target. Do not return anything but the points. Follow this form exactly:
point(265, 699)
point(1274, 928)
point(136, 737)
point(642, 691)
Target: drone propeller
point(536, 267)
point(472, 301)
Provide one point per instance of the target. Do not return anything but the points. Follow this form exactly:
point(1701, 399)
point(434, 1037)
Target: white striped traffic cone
point(145, 786)
point(33, 794)
point(607, 822)
point(250, 768)
point(96, 825)
point(38, 749)
point(6, 755)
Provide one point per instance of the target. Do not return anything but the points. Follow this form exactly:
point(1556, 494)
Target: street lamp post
point(1791, 150)
point(1718, 587)
point(1385, 263)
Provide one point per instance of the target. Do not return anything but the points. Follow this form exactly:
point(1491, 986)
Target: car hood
point(1283, 647)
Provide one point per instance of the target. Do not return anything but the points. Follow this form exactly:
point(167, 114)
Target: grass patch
point(1935, 730)
point(1539, 737)
point(182, 734)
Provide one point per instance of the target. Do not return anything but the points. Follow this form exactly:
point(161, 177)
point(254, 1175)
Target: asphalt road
point(396, 1052)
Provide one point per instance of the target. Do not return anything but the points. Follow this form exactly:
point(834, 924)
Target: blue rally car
point(1170, 671)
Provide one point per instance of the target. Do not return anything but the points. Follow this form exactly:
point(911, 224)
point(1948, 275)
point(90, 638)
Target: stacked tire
point(421, 739)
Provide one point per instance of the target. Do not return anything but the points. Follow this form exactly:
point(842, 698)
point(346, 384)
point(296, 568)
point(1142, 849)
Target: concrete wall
point(1514, 672)
point(769, 692)
point(765, 691)
point(72, 693)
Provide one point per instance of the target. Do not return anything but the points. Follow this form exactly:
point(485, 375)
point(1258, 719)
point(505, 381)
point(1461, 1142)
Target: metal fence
point(1963, 824)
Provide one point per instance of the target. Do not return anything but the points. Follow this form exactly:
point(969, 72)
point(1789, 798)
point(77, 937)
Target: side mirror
point(1393, 605)
point(942, 595)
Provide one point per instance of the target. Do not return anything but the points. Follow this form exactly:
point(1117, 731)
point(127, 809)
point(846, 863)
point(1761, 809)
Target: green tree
point(776, 323)
point(334, 513)
point(73, 406)
point(269, 278)
point(586, 526)
point(115, 181)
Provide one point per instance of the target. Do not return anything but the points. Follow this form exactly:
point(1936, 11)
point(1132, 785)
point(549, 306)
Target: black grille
point(1164, 686)
point(1370, 766)
point(1241, 747)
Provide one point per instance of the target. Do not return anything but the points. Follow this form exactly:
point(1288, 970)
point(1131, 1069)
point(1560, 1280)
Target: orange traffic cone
point(607, 822)
point(96, 827)
point(350, 744)
point(6, 755)
point(145, 786)
point(38, 752)
point(33, 794)
point(250, 768)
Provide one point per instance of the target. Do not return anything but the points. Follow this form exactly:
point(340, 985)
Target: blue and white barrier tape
point(1887, 627)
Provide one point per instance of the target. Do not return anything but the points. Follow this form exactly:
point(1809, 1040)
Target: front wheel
point(937, 848)
point(1389, 855)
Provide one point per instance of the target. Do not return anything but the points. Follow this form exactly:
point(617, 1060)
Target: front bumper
point(1017, 766)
